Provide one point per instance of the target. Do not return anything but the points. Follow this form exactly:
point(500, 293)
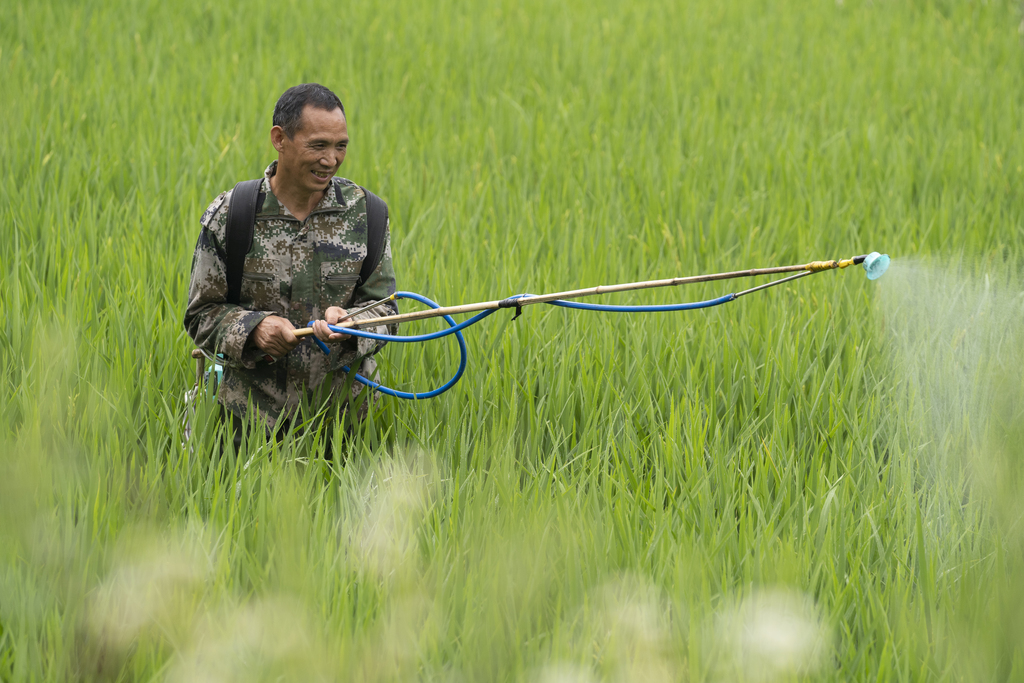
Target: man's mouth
point(323, 175)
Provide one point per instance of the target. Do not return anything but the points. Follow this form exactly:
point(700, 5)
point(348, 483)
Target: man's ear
point(277, 136)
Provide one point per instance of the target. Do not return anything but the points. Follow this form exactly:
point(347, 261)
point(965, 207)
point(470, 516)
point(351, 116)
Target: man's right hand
point(274, 336)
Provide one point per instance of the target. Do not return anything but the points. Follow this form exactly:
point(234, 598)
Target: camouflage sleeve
point(216, 326)
point(379, 285)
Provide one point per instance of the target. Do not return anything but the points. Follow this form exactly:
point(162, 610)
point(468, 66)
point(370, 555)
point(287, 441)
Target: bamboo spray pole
point(806, 268)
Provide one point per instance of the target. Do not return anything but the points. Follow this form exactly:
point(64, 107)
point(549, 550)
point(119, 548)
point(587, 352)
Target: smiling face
point(307, 161)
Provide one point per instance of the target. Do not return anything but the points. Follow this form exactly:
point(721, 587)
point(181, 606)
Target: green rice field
point(820, 482)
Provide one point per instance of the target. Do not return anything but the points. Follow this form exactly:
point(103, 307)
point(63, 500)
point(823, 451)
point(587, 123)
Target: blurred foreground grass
point(821, 483)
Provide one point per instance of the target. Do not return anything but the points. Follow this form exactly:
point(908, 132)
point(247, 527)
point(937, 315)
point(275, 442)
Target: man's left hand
point(331, 317)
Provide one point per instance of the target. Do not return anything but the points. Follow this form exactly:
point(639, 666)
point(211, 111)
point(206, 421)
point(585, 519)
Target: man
point(309, 242)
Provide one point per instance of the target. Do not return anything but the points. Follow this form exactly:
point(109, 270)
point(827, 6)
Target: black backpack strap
point(245, 199)
point(376, 230)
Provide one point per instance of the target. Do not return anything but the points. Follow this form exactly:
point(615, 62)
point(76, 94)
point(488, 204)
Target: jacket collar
point(273, 207)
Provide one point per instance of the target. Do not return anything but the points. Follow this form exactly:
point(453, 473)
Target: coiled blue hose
point(456, 329)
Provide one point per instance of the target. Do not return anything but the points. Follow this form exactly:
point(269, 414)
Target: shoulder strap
point(238, 233)
point(376, 228)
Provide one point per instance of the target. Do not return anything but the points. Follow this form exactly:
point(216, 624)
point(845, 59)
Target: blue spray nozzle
point(876, 264)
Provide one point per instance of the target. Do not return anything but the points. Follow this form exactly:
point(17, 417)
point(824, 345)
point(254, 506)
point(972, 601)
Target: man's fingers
point(337, 336)
point(333, 314)
point(324, 333)
point(320, 330)
point(275, 336)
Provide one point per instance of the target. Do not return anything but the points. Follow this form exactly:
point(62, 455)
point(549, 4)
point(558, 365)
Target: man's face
point(311, 158)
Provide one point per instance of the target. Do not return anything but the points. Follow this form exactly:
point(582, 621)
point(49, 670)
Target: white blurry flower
point(268, 640)
point(392, 651)
point(152, 585)
point(564, 673)
point(633, 621)
point(773, 634)
point(386, 535)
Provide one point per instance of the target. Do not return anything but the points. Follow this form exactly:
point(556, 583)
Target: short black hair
point(288, 110)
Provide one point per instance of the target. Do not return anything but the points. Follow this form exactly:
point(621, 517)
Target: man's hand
point(274, 336)
point(331, 317)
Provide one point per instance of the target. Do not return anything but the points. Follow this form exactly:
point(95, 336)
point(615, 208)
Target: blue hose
point(645, 309)
point(456, 329)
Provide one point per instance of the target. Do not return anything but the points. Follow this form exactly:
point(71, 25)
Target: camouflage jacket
point(294, 270)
